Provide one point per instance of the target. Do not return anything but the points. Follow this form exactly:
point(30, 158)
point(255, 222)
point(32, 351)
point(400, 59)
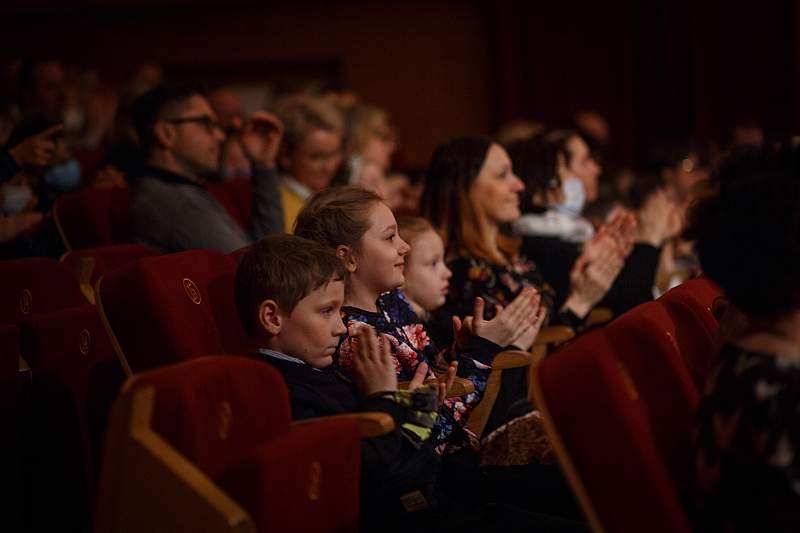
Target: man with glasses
point(180, 139)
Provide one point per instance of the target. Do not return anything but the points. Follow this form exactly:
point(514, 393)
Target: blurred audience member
point(171, 210)
point(518, 130)
point(745, 472)
point(311, 151)
point(580, 183)
point(228, 108)
point(41, 88)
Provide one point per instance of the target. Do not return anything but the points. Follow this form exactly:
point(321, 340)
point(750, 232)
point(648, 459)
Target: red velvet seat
point(75, 377)
point(224, 423)
point(93, 217)
point(644, 340)
point(35, 285)
point(691, 306)
point(236, 195)
point(9, 354)
point(600, 427)
point(91, 263)
point(168, 308)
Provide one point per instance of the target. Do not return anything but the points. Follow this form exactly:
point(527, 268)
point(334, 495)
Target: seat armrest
point(599, 315)
point(460, 387)
point(554, 335)
point(370, 424)
point(511, 359)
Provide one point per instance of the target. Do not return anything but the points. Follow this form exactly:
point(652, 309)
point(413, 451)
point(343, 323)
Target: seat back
point(236, 195)
point(75, 377)
point(169, 308)
point(91, 263)
point(644, 340)
point(697, 333)
point(93, 217)
point(601, 431)
point(35, 285)
point(216, 432)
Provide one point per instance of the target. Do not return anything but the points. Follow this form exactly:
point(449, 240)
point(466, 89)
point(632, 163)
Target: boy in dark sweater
point(288, 293)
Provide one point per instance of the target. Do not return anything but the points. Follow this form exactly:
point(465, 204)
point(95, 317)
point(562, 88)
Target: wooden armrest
point(85, 271)
point(599, 315)
point(554, 335)
point(460, 387)
point(511, 359)
point(371, 424)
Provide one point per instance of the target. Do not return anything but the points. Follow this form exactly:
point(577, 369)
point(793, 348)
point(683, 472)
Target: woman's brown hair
point(446, 202)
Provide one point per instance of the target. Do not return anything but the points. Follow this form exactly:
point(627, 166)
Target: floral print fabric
point(411, 345)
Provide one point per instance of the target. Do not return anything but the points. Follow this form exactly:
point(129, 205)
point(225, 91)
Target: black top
point(392, 465)
point(633, 286)
point(746, 469)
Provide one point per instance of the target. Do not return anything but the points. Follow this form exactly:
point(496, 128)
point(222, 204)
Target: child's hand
point(446, 381)
point(373, 367)
point(509, 322)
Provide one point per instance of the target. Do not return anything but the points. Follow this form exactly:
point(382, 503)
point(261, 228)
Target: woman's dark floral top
point(496, 284)
point(411, 345)
point(746, 468)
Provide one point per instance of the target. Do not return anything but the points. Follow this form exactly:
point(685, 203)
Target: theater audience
point(554, 240)
point(171, 210)
point(471, 194)
point(311, 151)
point(746, 462)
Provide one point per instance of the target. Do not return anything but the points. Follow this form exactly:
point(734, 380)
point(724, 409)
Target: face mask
point(64, 177)
point(15, 198)
point(574, 197)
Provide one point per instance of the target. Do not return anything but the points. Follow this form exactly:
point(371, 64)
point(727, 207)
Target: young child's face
point(311, 332)
point(427, 275)
point(381, 254)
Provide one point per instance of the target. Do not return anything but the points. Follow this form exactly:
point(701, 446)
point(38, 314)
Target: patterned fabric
point(746, 470)
point(411, 345)
point(496, 284)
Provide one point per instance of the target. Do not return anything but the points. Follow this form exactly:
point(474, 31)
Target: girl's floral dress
point(411, 345)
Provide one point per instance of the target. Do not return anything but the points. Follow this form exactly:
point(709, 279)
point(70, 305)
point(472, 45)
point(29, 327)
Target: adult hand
point(509, 322)
point(373, 367)
point(261, 138)
point(525, 339)
point(37, 150)
point(658, 219)
point(590, 281)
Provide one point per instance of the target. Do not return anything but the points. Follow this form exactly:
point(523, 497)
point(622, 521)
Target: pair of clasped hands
point(517, 325)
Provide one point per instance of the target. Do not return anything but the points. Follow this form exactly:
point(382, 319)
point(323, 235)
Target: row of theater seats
point(619, 404)
point(101, 217)
point(204, 445)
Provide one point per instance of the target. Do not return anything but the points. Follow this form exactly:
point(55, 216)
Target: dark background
point(656, 70)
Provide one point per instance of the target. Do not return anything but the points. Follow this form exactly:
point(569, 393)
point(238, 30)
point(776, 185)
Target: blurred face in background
point(193, 137)
point(685, 176)
point(380, 145)
point(583, 166)
point(316, 159)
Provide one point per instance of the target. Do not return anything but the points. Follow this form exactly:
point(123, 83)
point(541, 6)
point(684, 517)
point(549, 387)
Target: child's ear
point(269, 316)
point(347, 256)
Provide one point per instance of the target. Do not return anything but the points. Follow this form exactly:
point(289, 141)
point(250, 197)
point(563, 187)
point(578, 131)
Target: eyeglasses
point(207, 122)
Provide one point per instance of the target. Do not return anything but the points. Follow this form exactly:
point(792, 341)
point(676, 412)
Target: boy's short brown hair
point(284, 268)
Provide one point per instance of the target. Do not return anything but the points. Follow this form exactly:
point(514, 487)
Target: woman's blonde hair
point(302, 114)
point(363, 123)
